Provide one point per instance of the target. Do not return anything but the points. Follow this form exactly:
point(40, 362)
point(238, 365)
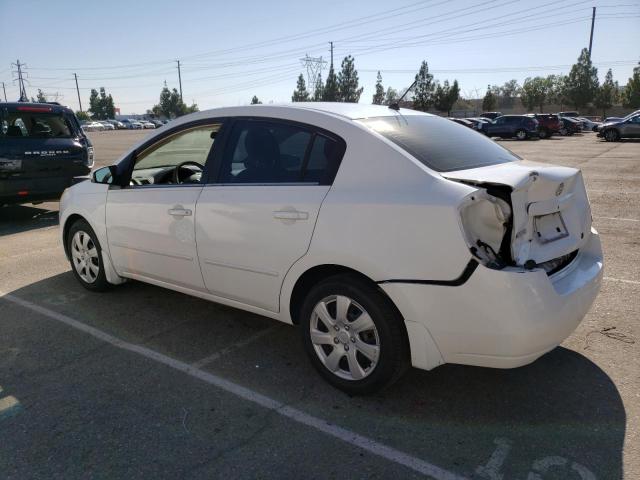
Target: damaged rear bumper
point(500, 318)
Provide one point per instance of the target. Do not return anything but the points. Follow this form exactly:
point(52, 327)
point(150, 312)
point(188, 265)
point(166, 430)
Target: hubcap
point(521, 134)
point(85, 257)
point(344, 337)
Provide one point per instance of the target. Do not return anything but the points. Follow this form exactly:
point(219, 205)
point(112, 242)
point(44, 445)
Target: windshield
point(440, 144)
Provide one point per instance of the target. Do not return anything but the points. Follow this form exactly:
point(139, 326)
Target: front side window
point(177, 158)
point(267, 152)
point(439, 144)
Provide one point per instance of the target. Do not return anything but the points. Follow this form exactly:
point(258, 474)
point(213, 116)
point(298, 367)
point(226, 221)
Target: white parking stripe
point(621, 219)
point(613, 279)
point(214, 356)
point(365, 443)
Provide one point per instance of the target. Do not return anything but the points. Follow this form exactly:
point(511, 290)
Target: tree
point(256, 101)
point(171, 104)
point(423, 90)
point(534, 93)
point(489, 101)
point(445, 96)
point(82, 115)
point(557, 93)
point(378, 97)
point(41, 97)
point(391, 96)
point(330, 92)
point(607, 94)
point(348, 81)
point(582, 83)
point(101, 105)
point(300, 94)
point(508, 92)
point(631, 94)
point(319, 91)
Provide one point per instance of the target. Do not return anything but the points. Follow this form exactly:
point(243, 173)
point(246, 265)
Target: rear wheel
point(354, 337)
point(544, 133)
point(611, 135)
point(563, 131)
point(521, 134)
point(85, 255)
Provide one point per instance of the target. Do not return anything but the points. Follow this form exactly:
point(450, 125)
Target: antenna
point(396, 105)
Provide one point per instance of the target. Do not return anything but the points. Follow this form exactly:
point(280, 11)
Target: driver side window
point(177, 158)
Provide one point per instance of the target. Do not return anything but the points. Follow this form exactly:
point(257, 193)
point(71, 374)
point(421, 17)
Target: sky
point(230, 51)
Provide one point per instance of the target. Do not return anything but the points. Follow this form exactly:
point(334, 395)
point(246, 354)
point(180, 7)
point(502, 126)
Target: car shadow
point(558, 418)
point(23, 218)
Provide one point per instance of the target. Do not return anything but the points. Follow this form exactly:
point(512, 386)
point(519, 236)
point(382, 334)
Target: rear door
point(257, 219)
point(631, 128)
point(498, 127)
point(41, 150)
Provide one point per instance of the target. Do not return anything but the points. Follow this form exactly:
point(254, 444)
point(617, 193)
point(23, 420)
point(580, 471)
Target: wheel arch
point(69, 221)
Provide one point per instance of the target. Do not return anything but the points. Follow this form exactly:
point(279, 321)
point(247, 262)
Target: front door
point(258, 218)
point(151, 222)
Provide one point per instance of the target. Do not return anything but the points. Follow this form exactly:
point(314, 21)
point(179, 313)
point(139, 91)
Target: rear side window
point(439, 144)
point(265, 152)
point(20, 124)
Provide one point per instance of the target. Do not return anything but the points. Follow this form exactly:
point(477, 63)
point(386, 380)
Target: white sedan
point(390, 237)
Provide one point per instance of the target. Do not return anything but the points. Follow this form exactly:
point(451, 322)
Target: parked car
point(42, 150)
point(132, 124)
point(157, 123)
point(509, 126)
point(617, 119)
point(462, 121)
point(588, 124)
point(390, 238)
point(477, 122)
point(491, 115)
point(117, 124)
point(147, 124)
point(107, 125)
point(568, 114)
point(92, 126)
point(549, 124)
point(569, 126)
point(627, 128)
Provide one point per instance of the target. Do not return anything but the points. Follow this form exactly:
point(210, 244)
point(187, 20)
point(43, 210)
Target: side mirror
point(104, 175)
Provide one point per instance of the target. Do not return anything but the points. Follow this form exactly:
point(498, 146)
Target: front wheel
point(611, 135)
point(353, 335)
point(85, 255)
point(544, 133)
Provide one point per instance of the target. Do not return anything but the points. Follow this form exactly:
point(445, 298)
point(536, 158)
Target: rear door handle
point(179, 212)
point(290, 215)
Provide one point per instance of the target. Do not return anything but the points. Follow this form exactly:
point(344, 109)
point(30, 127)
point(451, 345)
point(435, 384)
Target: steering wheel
point(176, 171)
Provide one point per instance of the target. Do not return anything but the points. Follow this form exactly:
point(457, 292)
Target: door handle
point(290, 215)
point(179, 212)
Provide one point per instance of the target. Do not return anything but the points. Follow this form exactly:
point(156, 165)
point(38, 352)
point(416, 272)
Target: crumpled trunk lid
point(550, 209)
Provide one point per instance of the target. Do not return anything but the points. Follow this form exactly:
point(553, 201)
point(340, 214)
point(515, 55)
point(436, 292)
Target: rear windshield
point(17, 124)
point(440, 144)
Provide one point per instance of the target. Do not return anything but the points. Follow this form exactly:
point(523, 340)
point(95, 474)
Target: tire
point(611, 135)
point(563, 132)
point(371, 325)
point(544, 133)
point(87, 267)
point(521, 134)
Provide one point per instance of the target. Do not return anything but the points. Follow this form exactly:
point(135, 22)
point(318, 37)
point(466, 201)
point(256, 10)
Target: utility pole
point(179, 79)
point(593, 21)
point(331, 43)
point(5, 92)
point(78, 90)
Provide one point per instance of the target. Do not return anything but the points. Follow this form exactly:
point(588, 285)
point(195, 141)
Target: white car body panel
point(386, 216)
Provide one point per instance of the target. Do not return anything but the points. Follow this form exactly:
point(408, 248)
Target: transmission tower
point(314, 66)
point(20, 74)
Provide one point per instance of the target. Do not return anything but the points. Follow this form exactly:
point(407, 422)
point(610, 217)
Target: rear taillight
point(34, 109)
point(484, 219)
point(89, 161)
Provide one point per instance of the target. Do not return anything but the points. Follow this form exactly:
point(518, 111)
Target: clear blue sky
point(231, 51)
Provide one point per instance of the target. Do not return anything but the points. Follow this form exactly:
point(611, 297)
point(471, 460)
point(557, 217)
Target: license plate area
point(550, 227)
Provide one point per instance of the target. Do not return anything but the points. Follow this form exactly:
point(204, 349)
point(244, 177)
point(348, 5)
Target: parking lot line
point(243, 343)
point(621, 219)
point(347, 436)
point(614, 279)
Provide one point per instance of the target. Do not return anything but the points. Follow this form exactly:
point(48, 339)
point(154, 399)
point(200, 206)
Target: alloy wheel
point(344, 337)
point(85, 256)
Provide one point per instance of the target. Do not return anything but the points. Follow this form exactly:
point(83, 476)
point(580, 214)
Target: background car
point(157, 123)
point(627, 128)
point(477, 122)
point(462, 121)
point(147, 124)
point(117, 124)
point(510, 126)
point(340, 253)
point(491, 115)
point(42, 151)
point(107, 125)
point(569, 126)
point(588, 124)
point(92, 126)
point(568, 114)
point(549, 123)
point(132, 124)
